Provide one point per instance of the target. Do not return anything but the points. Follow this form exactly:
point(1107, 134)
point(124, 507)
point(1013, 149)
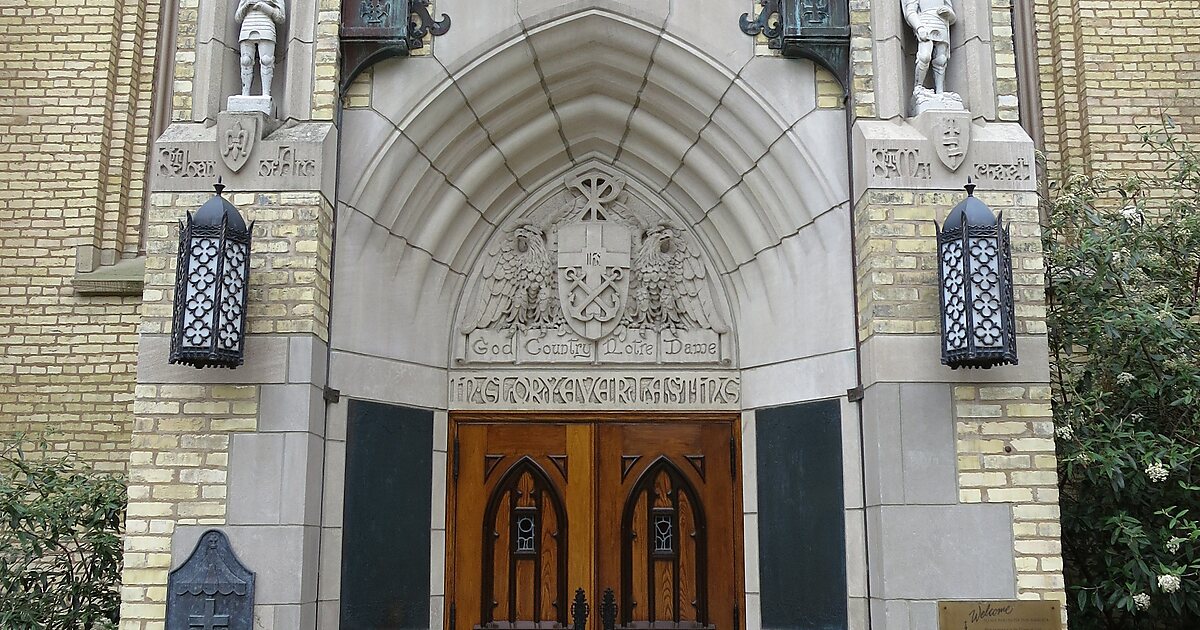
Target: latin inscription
point(177, 162)
point(900, 163)
point(651, 390)
point(286, 164)
point(1001, 172)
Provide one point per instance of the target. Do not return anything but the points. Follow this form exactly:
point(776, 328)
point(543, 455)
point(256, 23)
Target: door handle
point(608, 610)
point(580, 609)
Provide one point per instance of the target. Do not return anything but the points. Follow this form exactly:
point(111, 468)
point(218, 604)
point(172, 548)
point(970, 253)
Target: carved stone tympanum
point(593, 283)
point(211, 590)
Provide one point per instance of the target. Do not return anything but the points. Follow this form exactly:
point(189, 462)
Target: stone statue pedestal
point(261, 104)
point(925, 99)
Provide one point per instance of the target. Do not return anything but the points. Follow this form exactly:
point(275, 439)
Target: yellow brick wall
point(897, 264)
point(75, 93)
point(1108, 67)
point(1006, 61)
point(1006, 455)
point(177, 476)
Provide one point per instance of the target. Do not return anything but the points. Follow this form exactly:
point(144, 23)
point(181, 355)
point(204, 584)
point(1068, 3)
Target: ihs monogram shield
point(593, 275)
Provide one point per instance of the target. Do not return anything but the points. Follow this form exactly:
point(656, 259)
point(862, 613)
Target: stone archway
point(446, 154)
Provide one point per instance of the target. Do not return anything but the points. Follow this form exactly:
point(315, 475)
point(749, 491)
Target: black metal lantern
point(211, 286)
point(975, 270)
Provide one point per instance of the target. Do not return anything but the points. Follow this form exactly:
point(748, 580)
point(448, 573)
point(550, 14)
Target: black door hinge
point(733, 458)
point(454, 461)
point(453, 616)
point(855, 394)
point(331, 395)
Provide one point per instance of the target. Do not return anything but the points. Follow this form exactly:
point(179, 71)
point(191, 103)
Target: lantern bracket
point(374, 30)
point(818, 30)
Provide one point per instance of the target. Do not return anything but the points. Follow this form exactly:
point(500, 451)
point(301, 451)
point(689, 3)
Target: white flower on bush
point(1169, 583)
point(1157, 472)
point(1131, 213)
point(1065, 432)
point(1124, 378)
point(1142, 601)
point(1136, 417)
point(1174, 543)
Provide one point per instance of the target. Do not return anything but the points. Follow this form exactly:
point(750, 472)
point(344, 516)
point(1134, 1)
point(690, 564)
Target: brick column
point(242, 449)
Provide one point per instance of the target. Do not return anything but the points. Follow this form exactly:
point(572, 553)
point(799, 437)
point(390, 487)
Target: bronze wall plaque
point(1000, 615)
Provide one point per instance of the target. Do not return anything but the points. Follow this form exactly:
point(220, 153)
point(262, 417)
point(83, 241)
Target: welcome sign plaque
point(1000, 615)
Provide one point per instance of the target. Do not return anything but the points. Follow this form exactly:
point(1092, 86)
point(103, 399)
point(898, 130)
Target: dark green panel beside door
point(801, 517)
point(385, 534)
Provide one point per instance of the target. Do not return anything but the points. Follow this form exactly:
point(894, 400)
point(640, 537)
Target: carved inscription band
point(633, 391)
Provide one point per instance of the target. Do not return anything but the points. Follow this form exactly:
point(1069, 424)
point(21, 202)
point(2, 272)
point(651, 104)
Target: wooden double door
point(647, 507)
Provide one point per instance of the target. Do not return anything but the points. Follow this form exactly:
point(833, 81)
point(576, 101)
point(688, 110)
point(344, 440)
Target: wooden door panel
point(647, 509)
point(666, 524)
point(515, 503)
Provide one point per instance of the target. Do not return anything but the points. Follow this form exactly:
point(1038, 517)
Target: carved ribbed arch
point(449, 153)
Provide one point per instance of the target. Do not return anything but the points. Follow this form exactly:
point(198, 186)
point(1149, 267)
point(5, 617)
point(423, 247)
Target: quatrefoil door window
point(542, 509)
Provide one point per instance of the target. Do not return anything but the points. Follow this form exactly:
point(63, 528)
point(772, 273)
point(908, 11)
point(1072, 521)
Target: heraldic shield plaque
point(593, 275)
point(212, 590)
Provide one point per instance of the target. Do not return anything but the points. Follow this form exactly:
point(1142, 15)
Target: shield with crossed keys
point(593, 275)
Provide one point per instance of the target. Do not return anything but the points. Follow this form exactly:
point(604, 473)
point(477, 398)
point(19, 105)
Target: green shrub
point(1123, 262)
point(60, 540)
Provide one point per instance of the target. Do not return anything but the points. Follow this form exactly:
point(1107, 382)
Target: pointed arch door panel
point(647, 509)
point(669, 545)
point(516, 499)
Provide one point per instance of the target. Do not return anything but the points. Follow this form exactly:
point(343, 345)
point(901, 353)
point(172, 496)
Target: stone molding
point(917, 359)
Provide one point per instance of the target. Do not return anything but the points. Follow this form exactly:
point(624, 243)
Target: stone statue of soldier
point(931, 21)
point(258, 18)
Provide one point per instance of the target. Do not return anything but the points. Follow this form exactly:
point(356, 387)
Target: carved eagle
point(517, 288)
point(667, 285)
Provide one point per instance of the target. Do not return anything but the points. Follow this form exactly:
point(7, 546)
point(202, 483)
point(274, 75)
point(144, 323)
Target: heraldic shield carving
point(236, 135)
point(951, 137)
point(593, 276)
point(593, 263)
